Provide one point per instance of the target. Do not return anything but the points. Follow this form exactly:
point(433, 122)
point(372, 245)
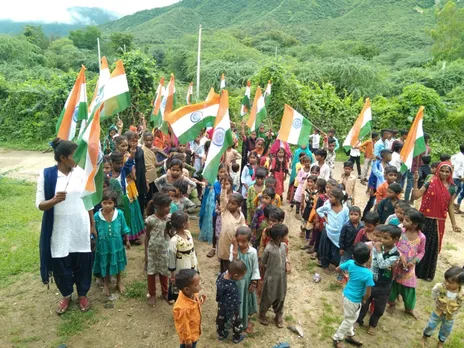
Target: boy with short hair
point(314, 140)
point(387, 206)
point(324, 169)
point(357, 290)
point(348, 180)
point(368, 148)
point(424, 171)
point(348, 234)
point(235, 175)
point(390, 175)
point(187, 309)
point(269, 182)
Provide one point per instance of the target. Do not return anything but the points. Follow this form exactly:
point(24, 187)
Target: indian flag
point(220, 141)
point(189, 94)
point(258, 111)
point(211, 94)
point(246, 100)
point(188, 121)
point(295, 128)
point(168, 103)
point(361, 128)
point(75, 109)
point(415, 142)
point(89, 157)
point(156, 116)
point(115, 94)
point(223, 82)
point(267, 92)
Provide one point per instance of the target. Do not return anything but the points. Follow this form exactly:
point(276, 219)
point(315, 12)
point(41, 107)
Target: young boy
point(314, 140)
point(235, 175)
point(266, 199)
point(330, 135)
point(180, 200)
point(366, 234)
point(331, 154)
point(368, 148)
point(187, 310)
point(348, 180)
point(324, 168)
point(390, 174)
point(401, 207)
point(384, 255)
point(348, 234)
point(357, 290)
point(433, 170)
point(270, 182)
point(387, 206)
point(424, 170)
point(228, 299)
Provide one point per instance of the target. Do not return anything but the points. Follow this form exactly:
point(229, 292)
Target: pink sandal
point(63, 305)
point(84, 304)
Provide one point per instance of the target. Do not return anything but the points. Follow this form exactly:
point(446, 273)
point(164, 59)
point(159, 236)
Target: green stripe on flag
point(306, 130)
point(260, 116)
point(365, 130)
point(192, 132)
point(114, 105)
point(90, 201)
point(419, 146)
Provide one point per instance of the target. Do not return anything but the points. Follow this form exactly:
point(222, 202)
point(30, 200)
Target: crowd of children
point(155, 191)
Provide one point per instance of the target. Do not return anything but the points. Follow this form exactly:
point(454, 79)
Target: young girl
point(336, 214)
point(299, 183)
point(175, 174)
point(307, 205)
point(253, 191)
point(140, 169)
point(279, 169)
point(257, 223)
point(181, 253)
point(448, 298)
point(156, 246)
point(241, 249)
point(231, 219)
point(248, 172)
point(107, 165)
point(110, 256)
point(180, 199)
point(321, 197)
point(412, 248)
point(401, 207)
point(277, 266)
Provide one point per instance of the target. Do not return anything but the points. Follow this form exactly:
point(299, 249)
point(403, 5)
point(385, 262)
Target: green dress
point(110, 255)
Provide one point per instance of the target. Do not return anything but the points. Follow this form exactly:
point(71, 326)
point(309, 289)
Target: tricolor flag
point(246, 100)
point(361, 128)
point(220, 140)
point(188, 121)
point(189, 93)
point(75, 109)
point(415, 142)
point(168, 103)
point(89, 157)
point(258, 111)
point(223, 82)
point(115, 94)
point(156, 116)
point(267, 93)
point(295, 128)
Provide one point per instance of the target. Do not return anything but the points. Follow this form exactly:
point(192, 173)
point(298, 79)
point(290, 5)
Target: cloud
point(50, 11)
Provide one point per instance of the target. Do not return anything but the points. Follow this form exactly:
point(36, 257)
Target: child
point(348, 180)
point(242, 250)
point(274, 216)
point(187, 310)
point(109, 143)
point(391, 175)
point(181, 252)
point(412, 248)
point(248, 173)
point(253, 191)
point(157, 245)
point(316, 220)
point(384, 256)
point(231, 219)
point(366, 234)
point(368, 148)
point(299, 183)
point(171, 191)
point(433, 170)
point(424, 170)
point(336, 216)
point(228, 299)
point(110, 255)
point(180, 200)
point(107, 165)
point(235, 175)
point(357, 290)
point(174, 174)
point(258, 218)
point(277, 266)
point(331, 154)
point(387, 205)
point(401, 207)
point(348, 234)
point(314, 140)
point(448, 299)
point(324, 169)
point(279, 169)
point(231, 156)
point(307, 205)
point(270, 182)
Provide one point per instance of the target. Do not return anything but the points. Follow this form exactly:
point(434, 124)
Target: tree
point(86, 37)
point(35, 35)
point(448, 37)
point(121, 42)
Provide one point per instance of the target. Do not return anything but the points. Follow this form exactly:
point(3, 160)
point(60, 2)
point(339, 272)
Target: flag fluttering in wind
point(415, 142)
point(168, 103)
point(223, 82)
point(156, 116)
point(220, 140)
point(115, 93)
point(75, 109)
point(189, 94)
point(246, 100)
point(258, 111)
point(295, 128)
point(89, 157)
point(361, 128)
point(267, 93)
point(188, 121)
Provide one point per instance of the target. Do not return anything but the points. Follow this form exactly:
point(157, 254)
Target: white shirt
point(396, 160)
point(355, 152)
point(199, 152)
point(71, 225)
point(458, 163)
point(324, 171)
point(315, 140)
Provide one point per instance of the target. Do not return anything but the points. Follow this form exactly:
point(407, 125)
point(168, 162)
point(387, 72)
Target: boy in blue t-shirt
point(357, 291)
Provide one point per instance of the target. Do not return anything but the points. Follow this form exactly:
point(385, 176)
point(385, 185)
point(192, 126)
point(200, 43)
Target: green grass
point(20, 229)
point(334, 287)
point(289, 319)
point(74, 322)
point(327, 321)
point(449, 246)
point(25, 145)
point(136, 290)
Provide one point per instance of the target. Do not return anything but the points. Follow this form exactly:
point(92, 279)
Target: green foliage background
point(323, 57)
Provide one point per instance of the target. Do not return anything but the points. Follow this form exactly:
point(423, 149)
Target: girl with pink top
point(303, 173)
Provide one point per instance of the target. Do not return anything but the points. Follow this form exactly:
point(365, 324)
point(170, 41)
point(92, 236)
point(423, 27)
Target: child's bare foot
point(371, 330)
point(440, 344)
point(356, 325)
point(121, 288)
point(151, 301)
point(391, 309)
point(326, 271)
point(423, 341)
point(249, 328)
point(412, 314)
point(106, 289)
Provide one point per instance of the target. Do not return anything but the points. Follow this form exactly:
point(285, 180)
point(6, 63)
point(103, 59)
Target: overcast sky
point(55, 10)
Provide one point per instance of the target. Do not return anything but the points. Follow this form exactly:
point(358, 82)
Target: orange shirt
point(368, 148)
point(187, 318)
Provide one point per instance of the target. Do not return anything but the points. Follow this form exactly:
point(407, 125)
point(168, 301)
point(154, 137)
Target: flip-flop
point(263, 321)
point(63, 305)
point(84, 304)
point(279, 323)
point(223, 338)
point(211, 253)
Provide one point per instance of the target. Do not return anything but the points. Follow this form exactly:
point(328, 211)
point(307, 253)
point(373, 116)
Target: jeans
point(445, 328)
point(409, 177)
point(459, 190)
point(350, 314)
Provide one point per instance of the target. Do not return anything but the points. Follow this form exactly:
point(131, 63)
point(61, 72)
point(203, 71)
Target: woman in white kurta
point(65, 237)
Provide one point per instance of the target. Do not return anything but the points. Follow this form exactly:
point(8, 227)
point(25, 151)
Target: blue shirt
point(360, 278)
point(335, 221)
point(377, 175)
point(378, 147)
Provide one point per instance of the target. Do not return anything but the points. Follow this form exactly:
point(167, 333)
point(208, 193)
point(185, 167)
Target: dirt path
point(24, 164)
point(28, 318)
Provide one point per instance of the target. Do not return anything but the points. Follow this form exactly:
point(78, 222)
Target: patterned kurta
point(411, 250)
point(181, 253)
point(158, 246)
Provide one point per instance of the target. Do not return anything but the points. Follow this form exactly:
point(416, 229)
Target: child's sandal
point(223, 338)
point(238, 340)
point(263, 321)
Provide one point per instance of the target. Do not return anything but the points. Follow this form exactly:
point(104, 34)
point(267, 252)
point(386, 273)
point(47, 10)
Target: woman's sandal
point(63, 305)
point(84, 304)
point(353, 341)
point(211, 252)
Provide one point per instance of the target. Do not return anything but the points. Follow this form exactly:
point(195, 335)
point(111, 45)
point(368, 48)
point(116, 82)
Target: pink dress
point(411, 250)
point(301, 177)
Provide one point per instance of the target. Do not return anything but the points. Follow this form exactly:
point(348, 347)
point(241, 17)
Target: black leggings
point(221, 320)
point(379, 296)
point(356, 160)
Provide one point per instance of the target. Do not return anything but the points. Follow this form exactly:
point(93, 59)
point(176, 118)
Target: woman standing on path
point(66, 227)
point(437, 200)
